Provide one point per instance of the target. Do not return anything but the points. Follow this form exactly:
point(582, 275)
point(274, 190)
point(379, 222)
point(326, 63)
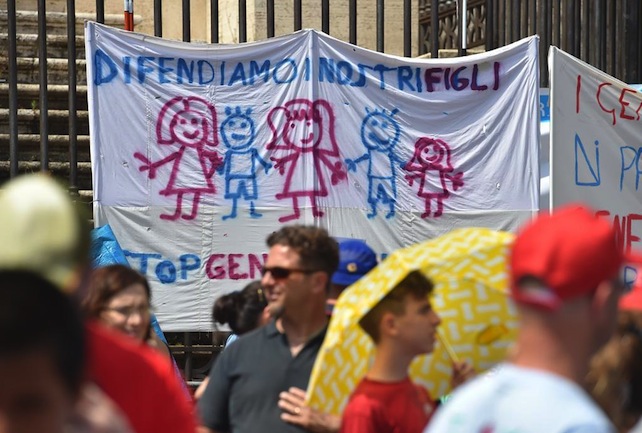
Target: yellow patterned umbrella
point(468, 268)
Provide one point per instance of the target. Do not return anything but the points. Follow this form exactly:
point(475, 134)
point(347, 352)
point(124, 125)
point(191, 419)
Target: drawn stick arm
point(152, 166)
point(215, 161)
point(338, 173)
point(266, 165)
point(352, 163)
point(279, 163)
point(411, 176)
point(456, 179)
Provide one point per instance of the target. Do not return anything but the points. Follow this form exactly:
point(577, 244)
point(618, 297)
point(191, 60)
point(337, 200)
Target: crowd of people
point(78, 353)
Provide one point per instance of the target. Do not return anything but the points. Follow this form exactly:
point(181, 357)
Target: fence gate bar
point(270, 18)
point(214, 21)
point(352, 18)
point(380, 25)
point(13, 89)
point(298, 15)
point(158, 18)
point(187, 24)
point(42, 63)
point(325, 16)
point(72, 111)
point(407, 28)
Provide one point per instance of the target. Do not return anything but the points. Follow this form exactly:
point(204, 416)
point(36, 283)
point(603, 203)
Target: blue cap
point(356, 259)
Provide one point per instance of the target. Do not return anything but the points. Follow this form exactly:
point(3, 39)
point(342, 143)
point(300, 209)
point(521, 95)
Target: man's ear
point(605, 294)
point(388, 324)
point(320, 281)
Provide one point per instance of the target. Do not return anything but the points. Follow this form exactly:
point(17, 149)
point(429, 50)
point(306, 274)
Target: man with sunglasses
point(257, 383)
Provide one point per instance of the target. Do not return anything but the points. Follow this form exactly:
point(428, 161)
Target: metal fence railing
point(604, 33)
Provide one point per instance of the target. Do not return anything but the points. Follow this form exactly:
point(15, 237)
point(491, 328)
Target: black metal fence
point(604, 33)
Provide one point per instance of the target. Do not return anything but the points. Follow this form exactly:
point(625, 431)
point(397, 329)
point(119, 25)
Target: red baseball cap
point(571, 251)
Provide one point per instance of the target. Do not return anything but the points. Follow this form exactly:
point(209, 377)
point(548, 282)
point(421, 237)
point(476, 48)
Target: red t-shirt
point(141, 382)
point(387, 407)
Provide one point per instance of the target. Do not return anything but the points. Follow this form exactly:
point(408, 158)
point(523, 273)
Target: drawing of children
point(380, 133)
point(303, 142)
point(188, 123)
point(238, 133)
point(431, 165)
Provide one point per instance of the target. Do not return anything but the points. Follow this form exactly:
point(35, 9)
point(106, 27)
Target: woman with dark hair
point(243, 310)
point(120, 298)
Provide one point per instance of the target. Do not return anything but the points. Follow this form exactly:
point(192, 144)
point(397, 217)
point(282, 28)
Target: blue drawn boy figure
point(380, 134)
point(238, 133)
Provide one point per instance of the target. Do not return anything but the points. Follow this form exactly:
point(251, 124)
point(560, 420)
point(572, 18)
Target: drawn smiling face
point(379, 131)
point(238, 131)
point(432, 155)
point(303, 131)
point(189, 128)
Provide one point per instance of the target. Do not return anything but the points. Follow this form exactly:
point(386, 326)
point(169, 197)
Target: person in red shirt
point(139, 380)
point(403, 325)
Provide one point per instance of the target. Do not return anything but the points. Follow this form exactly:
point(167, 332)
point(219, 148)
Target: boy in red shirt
point(403, 325)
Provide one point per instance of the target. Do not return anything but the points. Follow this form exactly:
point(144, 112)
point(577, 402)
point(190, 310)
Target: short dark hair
point(415, 284)
point(37, 316)
point(316, 249)
point(106, 282)
point(241, 309)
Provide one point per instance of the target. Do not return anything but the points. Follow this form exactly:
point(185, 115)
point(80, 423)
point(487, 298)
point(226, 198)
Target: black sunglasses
point(279, 273)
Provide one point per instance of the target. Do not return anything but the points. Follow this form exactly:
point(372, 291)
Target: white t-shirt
point(512, 399)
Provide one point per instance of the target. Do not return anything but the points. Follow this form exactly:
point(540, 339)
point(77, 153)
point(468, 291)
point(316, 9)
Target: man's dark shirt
point(243, 391)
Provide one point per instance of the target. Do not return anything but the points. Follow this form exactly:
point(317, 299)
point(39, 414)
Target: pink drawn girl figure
point(431, 165)
point(188, 123)
point(305, 149)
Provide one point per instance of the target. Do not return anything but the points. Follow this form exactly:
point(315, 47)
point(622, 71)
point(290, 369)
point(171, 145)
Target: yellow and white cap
point(40, 230)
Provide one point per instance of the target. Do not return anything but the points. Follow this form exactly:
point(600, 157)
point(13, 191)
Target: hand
point(410, 178)
point(215, 161)
point(278, 165)
point(352, 166)
point(214, 158)
point(462, 372)
point(296, 412)
point(457, 180)
point(147, 164)
point(338, 174)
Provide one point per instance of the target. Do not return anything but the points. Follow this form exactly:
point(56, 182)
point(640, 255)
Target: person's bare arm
point(296, 412)
point(201, 388)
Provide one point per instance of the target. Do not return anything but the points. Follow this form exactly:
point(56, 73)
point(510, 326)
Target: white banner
point(596, 144)
point(200, 151)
